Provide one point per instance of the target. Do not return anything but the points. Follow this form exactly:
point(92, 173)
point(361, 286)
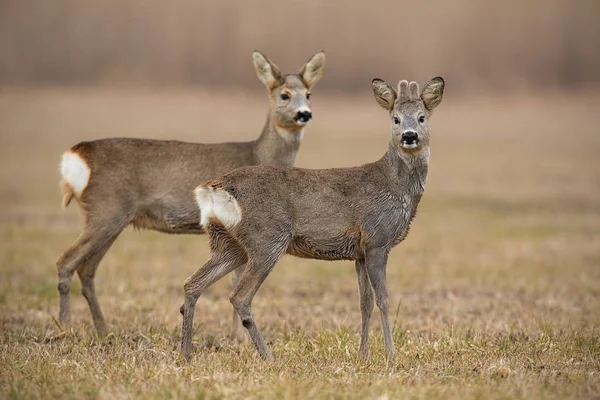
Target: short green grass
point(495, 293)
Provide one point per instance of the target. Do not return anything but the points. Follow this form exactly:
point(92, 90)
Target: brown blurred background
point(475, 45)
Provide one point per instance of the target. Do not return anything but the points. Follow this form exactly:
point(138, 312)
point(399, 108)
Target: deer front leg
point(366, 305)
point(376, 263)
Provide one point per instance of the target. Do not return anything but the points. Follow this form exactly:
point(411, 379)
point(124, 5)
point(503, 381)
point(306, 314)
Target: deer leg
point(235, 319)
point(67, 263)
point(85, 255)
point(255, 273)
point(376, 262)
point(213, 270)
point(87, 272)
point(366, 305)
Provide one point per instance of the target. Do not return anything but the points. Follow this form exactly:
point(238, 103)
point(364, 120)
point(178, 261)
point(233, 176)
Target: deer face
point(290, 103)
point(289, 95)
point(409, 111)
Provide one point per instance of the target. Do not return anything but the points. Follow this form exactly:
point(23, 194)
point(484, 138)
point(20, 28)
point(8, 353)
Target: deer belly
point(342, 248)
point(169, 221)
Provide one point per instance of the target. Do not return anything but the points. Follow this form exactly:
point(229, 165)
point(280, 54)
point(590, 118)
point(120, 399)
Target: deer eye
point(422, 119)
point(308, 96)
point(285, 96)
point(396, 120)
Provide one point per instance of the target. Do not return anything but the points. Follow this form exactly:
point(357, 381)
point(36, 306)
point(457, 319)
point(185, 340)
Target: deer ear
point(433, 93)
point(385, 95)
point(267, 71)
point(312, 71)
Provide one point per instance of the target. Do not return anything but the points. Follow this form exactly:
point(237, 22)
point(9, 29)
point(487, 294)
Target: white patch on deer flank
point(217, 204)
point(75, 172)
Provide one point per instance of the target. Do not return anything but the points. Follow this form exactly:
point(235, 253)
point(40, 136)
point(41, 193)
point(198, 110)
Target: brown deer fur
point(254, 215)
point(149, 183)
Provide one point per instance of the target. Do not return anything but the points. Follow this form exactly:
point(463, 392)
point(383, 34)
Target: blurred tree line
point(474, 44)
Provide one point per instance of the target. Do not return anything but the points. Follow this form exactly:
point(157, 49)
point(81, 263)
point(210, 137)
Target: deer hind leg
point(366, 305)
point(235, 318)
point(256, 271)
point(83, 256)
point(66, 265)
point(226, 256)
point(87, 272)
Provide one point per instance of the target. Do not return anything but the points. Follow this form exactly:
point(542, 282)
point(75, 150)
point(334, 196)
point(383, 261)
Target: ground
point(494, 294)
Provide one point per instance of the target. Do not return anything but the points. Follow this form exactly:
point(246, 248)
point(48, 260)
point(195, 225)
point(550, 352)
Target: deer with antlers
point(254, 215)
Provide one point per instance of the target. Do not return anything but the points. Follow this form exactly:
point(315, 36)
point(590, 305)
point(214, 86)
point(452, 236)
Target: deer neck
point(277, 146)
point(406, 172)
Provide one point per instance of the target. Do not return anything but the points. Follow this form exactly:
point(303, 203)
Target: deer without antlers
point(149, 183)
point(254, 215)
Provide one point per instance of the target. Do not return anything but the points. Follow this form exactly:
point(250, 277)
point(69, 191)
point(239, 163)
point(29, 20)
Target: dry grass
point(497, 287)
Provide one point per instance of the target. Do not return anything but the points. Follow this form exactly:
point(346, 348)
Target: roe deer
point(254, 215)
point(149, 183)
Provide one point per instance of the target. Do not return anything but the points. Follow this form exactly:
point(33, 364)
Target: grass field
point(495, 292)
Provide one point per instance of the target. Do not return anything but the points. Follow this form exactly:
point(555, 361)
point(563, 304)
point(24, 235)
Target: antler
point(408, 91)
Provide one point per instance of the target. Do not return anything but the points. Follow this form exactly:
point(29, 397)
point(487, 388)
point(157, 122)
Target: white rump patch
point(217, 204)
point(75, 172)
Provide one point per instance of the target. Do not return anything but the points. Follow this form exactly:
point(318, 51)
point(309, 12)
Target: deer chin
point(410, 146)
point(412, 149)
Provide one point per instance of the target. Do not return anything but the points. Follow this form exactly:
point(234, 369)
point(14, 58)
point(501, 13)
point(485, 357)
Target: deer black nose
point(410, 137)
point(303, 116)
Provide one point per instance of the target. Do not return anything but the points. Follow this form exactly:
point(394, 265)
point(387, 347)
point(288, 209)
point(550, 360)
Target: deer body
point(159, 180)
point(352, 206)
point(149, 183)
point(254, 215)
